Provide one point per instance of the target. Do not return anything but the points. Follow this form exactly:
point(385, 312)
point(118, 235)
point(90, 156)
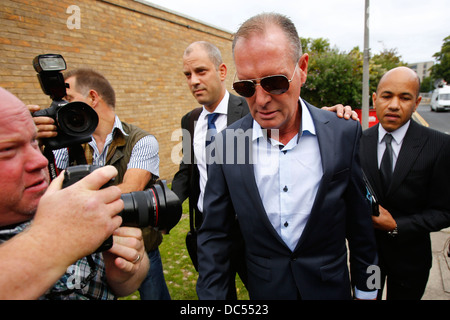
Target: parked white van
point(440, 100)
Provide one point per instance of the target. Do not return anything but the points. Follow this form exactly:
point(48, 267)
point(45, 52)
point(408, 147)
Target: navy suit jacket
point(317, 268)
point(418, 197)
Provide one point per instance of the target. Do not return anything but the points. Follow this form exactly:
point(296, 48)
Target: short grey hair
point(259, 24)
point(213, 52)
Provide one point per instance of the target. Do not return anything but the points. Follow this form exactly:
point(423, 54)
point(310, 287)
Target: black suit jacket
point(186, 181)
point(418, 197)
point(317, 268)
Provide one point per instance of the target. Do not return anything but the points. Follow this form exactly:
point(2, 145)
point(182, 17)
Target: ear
point(303, 66)
point(223, 71)
point(374, 99)
point(418, 102)
point(93, 98)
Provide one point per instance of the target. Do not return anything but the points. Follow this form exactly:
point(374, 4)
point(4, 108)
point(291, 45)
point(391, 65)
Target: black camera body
point(75, 121)
point(157, 207)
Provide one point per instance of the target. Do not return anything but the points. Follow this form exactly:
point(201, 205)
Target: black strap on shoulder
point(195, 114)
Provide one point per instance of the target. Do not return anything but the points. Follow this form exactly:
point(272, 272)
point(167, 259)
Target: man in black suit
point(414, 192)
point(205, 74)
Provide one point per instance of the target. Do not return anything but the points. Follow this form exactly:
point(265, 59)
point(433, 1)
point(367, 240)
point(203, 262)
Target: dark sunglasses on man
point(277, 84)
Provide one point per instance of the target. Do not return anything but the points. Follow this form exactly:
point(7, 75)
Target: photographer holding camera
point(44, 229)
point(130, 149)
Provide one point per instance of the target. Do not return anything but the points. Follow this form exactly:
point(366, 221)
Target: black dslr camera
point(75, 121)
point(158, 206)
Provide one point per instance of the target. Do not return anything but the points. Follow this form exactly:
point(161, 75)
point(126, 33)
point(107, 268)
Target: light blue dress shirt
point(288, 179)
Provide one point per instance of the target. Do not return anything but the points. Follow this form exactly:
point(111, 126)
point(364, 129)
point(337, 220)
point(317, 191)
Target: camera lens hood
point(77, 119)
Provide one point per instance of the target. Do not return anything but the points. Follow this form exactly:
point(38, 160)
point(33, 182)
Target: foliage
point(441, 70)
point(427, 84)
point(336, 77)
point(332, 77)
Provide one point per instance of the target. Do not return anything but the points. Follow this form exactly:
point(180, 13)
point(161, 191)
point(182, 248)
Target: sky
point(414, 28)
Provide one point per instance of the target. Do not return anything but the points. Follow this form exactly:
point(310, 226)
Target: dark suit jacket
point(418, 197)
point(317, 268)
point(186, 181)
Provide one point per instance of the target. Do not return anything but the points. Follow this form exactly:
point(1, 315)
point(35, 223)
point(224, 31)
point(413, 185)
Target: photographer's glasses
point(277, 84)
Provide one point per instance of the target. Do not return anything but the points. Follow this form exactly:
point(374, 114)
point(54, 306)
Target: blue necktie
point(386, 162)
point(212, 117)
point(210, 133)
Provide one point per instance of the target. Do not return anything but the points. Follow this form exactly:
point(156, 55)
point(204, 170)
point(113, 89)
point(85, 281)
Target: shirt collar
point(306, 126)
point(222, 107)
point(118, 126)
point(117, 129)
point(398, 134)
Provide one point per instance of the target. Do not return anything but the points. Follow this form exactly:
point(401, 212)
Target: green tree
point(441, 70)
point(427, 84)
point(333, 77)
point(336, 77)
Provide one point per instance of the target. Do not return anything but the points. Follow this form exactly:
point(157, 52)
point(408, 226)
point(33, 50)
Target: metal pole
point(365, 90)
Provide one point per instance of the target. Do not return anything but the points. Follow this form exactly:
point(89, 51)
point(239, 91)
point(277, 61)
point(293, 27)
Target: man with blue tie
point(205, 75)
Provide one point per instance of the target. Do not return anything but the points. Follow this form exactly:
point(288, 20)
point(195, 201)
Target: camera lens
point(157, 207)
point(140, 209)
point(77, 119)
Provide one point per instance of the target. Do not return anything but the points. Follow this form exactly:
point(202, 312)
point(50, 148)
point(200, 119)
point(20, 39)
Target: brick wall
point(138, 47)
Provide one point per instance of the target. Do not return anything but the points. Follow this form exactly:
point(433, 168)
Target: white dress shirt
point(200, 138)
point(397, 141)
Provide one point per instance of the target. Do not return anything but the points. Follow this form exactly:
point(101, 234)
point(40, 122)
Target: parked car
point(440, 100)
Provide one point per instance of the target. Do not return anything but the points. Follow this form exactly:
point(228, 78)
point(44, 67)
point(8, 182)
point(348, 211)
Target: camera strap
point(194, 224)
point(53, 171)
point(76, 155)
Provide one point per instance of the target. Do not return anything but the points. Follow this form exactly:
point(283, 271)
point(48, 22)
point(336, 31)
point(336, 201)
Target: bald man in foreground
point(46, 232)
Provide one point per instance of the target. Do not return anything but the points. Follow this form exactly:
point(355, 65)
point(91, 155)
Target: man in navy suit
point(414, 196)
point(290, 173)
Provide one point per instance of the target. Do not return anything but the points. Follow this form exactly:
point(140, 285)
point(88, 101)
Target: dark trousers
point(411, 288)
point(237, 262)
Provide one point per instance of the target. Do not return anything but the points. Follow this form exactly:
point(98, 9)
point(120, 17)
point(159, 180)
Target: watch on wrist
point(393, 233)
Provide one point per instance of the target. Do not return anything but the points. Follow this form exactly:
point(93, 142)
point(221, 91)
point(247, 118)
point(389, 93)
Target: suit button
point(285, 189)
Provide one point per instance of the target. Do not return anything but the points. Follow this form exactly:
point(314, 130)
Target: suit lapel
point(235, 107)
point(410, 150)
point(248, 180)
point(327, 146)
point(369, 159)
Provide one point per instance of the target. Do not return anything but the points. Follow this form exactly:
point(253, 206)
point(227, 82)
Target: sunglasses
point(277, 84)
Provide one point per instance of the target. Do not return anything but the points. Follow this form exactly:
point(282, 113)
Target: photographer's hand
point(126, 262)
point(46, 127)
point(69, 224)
point(80, 217)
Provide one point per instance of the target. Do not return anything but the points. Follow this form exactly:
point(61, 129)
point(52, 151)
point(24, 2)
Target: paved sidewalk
point(438, 287)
